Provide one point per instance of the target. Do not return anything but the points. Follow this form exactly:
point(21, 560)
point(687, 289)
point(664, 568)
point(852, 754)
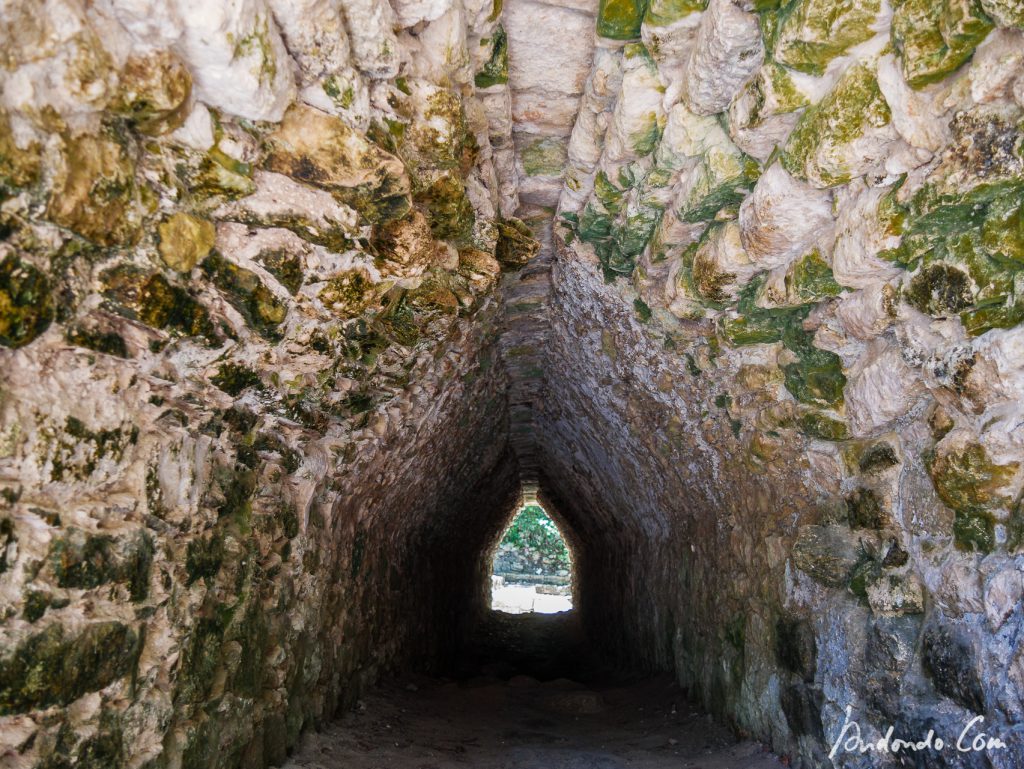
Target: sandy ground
point(520, 599)
point(526, 724)
point(504, 709)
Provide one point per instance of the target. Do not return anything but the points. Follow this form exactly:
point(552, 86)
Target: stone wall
point(260, 375)
point(784, 371)
point(252, 393)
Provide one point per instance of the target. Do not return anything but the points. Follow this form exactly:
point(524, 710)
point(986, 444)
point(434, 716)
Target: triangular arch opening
point(531, 565)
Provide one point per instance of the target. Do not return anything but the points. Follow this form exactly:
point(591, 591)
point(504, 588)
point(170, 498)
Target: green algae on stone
point(52, 667)
point(545, 156)
point(516, 244)
point(974, 530)
point(218, 174)
point(448, 208)
point(244, 290)
point(810, 279)
point(26, 305)
point(620, 19)
point(285, 266)
point(722, 178)
point(820, 148)
point(934, 37)
point(315, 148)
point(811, 33)
point(967, 480)
point(495, 69)
point(1006, 13)
point(106, 342)
point(151, 299)
point(866, 510)
point(661, 13)
point(203, 558)
point(816, 376)
point(184, 240)
point(233, 378)
point(83, 560)
point(18, 167)
point(877, 457)
point(153, 92)
point(815, 424)
point(94, 192)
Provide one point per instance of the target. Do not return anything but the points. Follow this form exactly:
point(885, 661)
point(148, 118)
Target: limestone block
point(917, 115)
point(721, 266)
point(783, 218)
point(670, 31)
point(861, 234)
point(534, 63)
point(880, 388)
point(238, 61)
point(728, 51)
point(866, 313)
point(314, 31)
point(845, 135)
point(374, 46)
point(411, 12)
point(442, 56)
point(933, 39)
point(638, 116)
point(995, 65)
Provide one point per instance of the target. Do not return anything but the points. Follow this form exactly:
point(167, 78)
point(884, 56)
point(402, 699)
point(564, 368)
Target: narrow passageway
point(528, 694)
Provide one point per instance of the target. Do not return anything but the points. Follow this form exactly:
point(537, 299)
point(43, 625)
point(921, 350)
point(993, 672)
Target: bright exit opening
point(532, 566)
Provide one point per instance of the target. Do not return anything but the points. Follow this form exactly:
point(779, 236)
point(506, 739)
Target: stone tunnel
point(299, 299)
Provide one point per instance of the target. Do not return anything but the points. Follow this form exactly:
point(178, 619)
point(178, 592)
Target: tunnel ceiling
point(299, 297)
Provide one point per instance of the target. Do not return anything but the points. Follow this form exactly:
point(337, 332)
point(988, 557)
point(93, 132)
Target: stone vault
point(298, 298)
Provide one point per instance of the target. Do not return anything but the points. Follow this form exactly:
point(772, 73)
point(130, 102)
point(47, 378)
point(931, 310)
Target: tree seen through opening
point(532, 566)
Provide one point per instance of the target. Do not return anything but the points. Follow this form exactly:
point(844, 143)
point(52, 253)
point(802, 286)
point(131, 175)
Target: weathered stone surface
point(728, 50)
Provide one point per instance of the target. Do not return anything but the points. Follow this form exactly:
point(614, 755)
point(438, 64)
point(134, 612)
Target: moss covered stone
point(544, 157)
point(866, 510)
point(940, 289)
point(723, 177)
point(620, 19)
point(820, 149)
point(244, 290)
point(106, 342)
point(184, 240)
point(516, 244)
point(350, 292)
point(661, 13)
point(815, 424)
point(233, 378)
point(285, 266)
point(811, 33)
point(19, 167)
point(448, 208)
point(83, 560)
point(1006, 13)
point(934, 37)
point(26, 305)
point(94, 192)
point(877, 457)
point(495, 70)
point(151, 299)
point(816, 376)
point(315, 148)
point(153, 92)
point(966, 479)
point(53, 667)
point(203, 558)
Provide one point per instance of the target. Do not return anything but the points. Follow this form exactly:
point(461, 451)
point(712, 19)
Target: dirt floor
point(505, 708)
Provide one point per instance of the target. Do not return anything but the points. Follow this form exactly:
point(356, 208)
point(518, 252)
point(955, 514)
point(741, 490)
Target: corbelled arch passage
point(296, 298)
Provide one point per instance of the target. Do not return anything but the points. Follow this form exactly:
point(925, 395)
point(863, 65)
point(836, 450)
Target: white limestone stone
point(880, 388)
point(916, 115)
point(374, 45)
point(727, 52)
point(860, 237)
point(238, 62)
point(783, 218)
